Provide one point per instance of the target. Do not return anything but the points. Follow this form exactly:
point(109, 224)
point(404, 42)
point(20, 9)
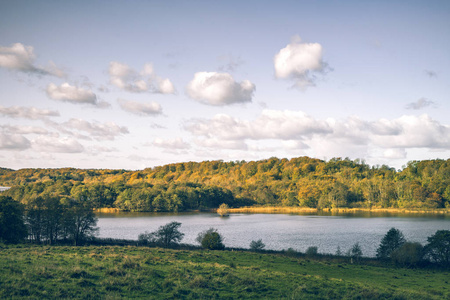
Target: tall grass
point(296, 209)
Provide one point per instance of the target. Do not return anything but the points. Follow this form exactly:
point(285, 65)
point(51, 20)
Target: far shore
point(290, 209)
point(296, 209)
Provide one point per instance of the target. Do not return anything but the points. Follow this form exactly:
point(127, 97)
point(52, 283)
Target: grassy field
point(113, 272)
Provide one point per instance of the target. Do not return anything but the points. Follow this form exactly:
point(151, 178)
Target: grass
point(113, 272)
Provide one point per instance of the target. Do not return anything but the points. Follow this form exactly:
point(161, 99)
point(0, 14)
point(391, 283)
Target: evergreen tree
point(393, 240)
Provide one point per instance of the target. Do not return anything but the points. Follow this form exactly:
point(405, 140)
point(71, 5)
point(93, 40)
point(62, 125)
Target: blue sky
point(136, 84)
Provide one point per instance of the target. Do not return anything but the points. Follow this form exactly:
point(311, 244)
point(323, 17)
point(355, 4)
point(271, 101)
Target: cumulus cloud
point(419, 104)
point(295, 129)
point(219, 89)
point(143, 109)
point(126, 78)
point(21, 58)
point(32, 113)
point(172, 144)
point(271, 124)
point(99, 131)
point(69, 93)
point(416, 132)
point(300, 62)
point(57, 145)
point(13, 142)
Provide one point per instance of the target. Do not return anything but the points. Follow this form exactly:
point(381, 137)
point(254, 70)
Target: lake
point(281, 231)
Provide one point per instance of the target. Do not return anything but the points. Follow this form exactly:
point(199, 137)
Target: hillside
point(302, 181)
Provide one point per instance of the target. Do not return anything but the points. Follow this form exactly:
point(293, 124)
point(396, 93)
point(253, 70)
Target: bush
point(291, 252)
point(210, 239)
point(393, 240)
point(223, 210)
point(409, 254)
point(166, 235)
point(311, 251)
point(355, 252)
point(257, 245)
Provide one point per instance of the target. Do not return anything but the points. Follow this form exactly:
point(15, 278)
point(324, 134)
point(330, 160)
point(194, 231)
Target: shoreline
point(290, 209)
point(287, 209)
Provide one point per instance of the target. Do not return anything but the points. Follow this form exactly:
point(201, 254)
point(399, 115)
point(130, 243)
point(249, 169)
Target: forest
point(302, 181)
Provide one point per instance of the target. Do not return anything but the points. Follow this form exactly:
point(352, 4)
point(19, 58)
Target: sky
point(137, 84)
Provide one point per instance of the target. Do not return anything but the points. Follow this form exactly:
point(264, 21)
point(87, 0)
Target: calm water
point(281, 231)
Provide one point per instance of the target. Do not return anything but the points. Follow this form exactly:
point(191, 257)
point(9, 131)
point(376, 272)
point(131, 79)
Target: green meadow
point(113, 272)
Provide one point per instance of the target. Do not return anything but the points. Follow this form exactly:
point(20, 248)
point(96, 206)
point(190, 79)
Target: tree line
point(46, 220)
point(303, 181)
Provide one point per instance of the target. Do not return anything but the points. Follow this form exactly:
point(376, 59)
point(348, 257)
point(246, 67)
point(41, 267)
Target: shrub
point(311, 251)
point(257, 245)
point(409, 254)
point(223, 210)
point(210, 239)
point(291, 252)
point(166, 235)
point(355, 252)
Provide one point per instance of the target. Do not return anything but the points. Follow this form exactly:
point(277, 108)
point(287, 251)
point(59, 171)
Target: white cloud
point(24, 129)
point(69, 93)
point(396, 153)
point(124, 77)
point(32, 113)
point(13, 142)
point(164, 86)
point(99, 131)
point(419, 104)
point(294, 145)
point(329, 137)
point(219, 89)
point(271, 124)
point(416, 132)
point(300, 62)
point(57, 145)
point(172, 144)
point(143, 109)
point(21, 58)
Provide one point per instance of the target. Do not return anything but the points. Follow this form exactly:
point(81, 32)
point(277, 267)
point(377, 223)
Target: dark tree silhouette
point(438, 247)
point(12, 226)
point(393, 240)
